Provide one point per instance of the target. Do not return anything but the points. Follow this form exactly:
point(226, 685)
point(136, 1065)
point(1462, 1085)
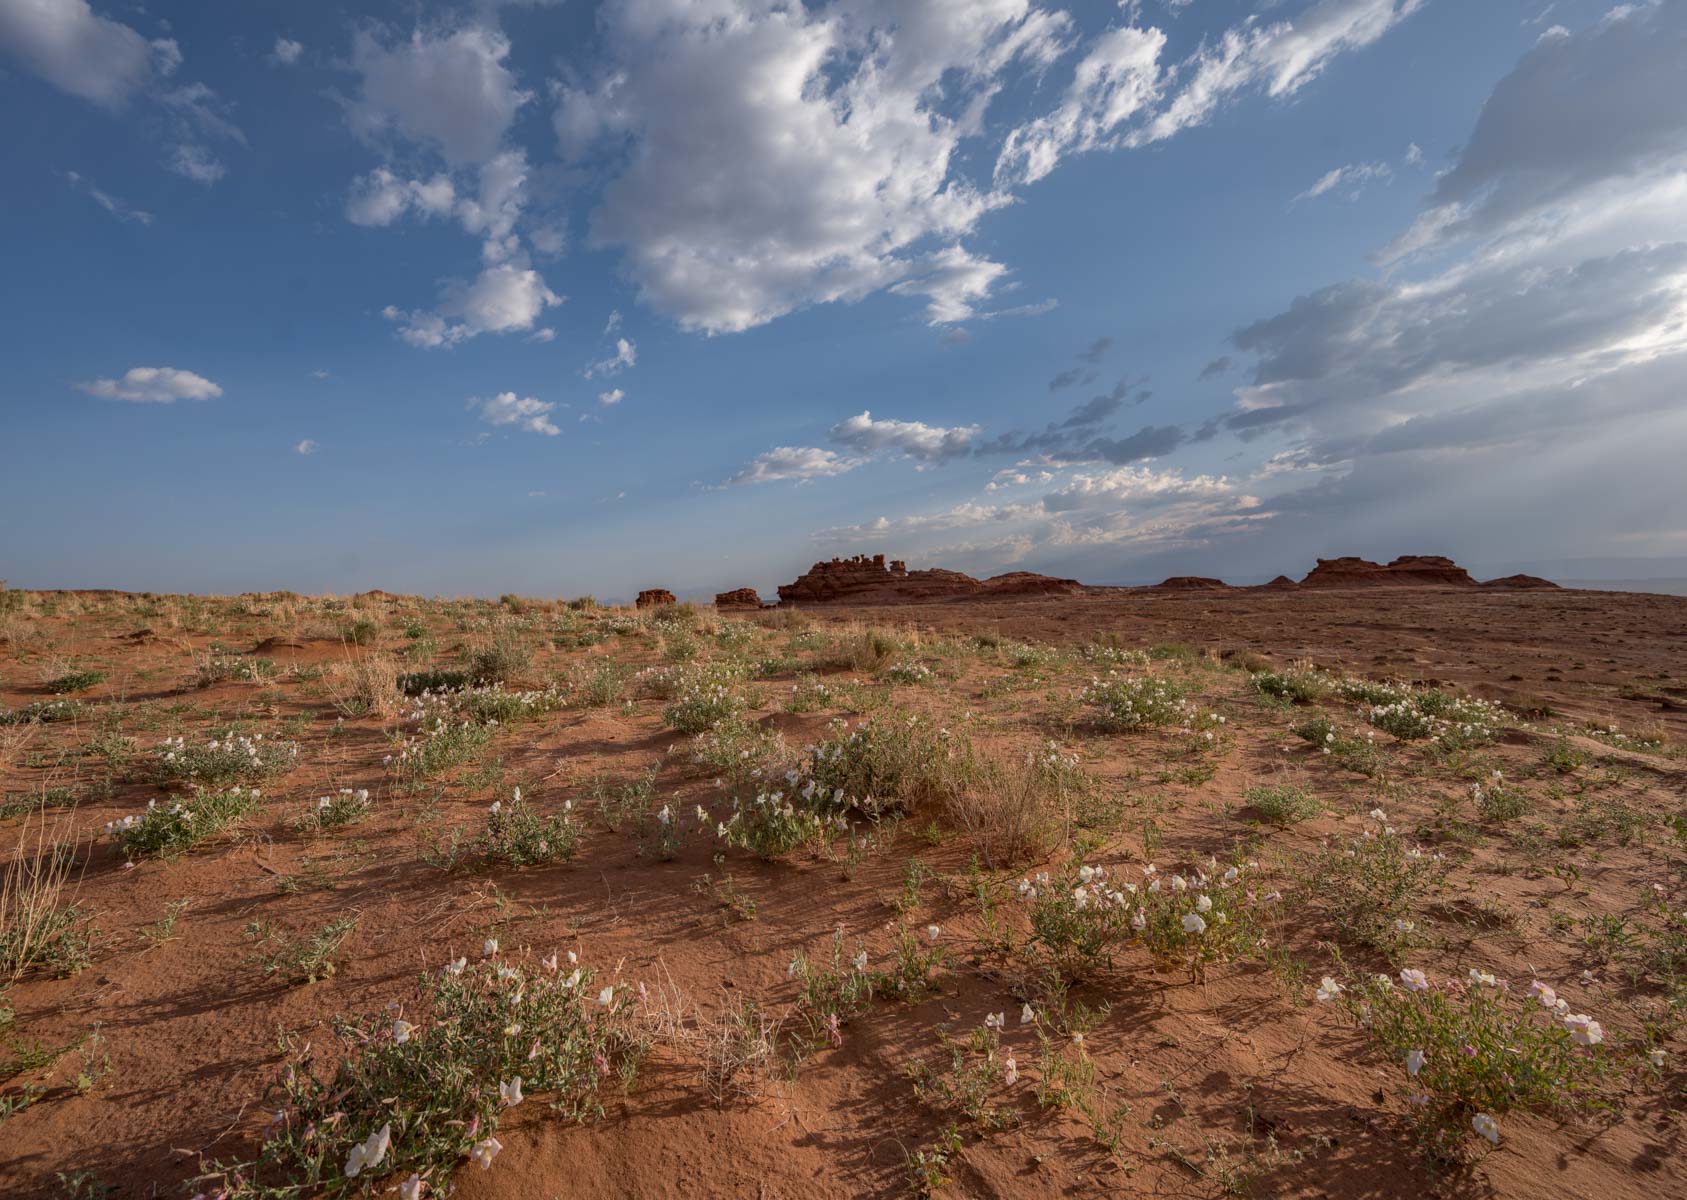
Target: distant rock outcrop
point(1028, 583)
point(1409, 570)
point(1519, 581)
point(655, 597)
point(738, 598)
point(864, 580)
point(1193, 583)
point(1281, 584)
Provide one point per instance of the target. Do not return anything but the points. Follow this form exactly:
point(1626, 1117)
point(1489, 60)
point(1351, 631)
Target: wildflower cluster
point(42, 712)
point(908, 673)
point(336, 810)
point(776, 822)
point(1080, 918)
point(179, 825)
point(224, 759)
point(493, 705)
point(519, 837)
point(1300, 685)
point(423, 1086)
point(1129, 702)
point(703, 705)
point(1452, 721)
point(1474, 1049)
point(438, 746)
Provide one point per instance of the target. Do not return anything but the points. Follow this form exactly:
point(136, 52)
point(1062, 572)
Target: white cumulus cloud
point(154, 385)
point(524, 412)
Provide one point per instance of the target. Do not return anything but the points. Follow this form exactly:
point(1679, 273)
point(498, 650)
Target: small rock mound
point(1520, 581)
point(1409, 570)
point(1281, 584)
point(1028, 583)
point(738, 598)
point(655, 597)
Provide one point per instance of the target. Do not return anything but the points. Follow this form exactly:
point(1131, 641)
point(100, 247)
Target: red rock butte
point(738, 598)
point(873, 580)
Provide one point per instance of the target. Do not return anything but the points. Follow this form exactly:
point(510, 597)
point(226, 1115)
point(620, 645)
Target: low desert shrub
point(517, 836)
point(1282, 804)
point(176, 826)
point(1475, 1050)
point(418, 1090)
point(227, 758)
point(75, 681)
point(1371, 886)
point(1131, 702)
point(1299, 685)
point(336, 810)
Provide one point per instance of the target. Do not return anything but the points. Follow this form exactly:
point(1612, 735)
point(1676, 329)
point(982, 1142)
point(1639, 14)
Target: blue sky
point(562, 297)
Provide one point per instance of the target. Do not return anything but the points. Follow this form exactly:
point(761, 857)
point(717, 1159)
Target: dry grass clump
point(366, 686)
point(13, 740)
point(37, 925)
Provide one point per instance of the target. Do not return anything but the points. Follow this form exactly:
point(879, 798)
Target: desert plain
point(1350, 891)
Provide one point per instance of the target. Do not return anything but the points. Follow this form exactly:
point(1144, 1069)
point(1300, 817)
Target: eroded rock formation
point(653, 597)
point(738, 598)
point(1409, 570)
point(874, 580)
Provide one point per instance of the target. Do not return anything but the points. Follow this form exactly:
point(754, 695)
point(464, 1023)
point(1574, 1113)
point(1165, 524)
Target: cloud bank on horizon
point(887, 264)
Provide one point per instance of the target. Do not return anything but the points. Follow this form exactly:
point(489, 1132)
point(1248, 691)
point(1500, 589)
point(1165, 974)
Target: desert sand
point(1537, 834)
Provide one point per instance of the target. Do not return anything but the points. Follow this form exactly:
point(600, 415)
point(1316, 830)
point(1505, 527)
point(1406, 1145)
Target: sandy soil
point(1241, 1084)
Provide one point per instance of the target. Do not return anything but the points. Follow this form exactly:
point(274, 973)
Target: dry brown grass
point(365, 685)
point(33, 902)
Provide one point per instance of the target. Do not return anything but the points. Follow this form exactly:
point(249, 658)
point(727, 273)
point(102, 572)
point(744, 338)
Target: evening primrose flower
point(489, 948)
point(1026, 1015)
point(455, 966)
point(484, 1151)
point(933, 931)
point(1203, 903)
point(1328, 988)
point(606, 996)
point(1414, 979)
point(549, 962)
point(411, 1189)
point(995, 1020)
point(369, 1152)
point(1193, 923)
point(1010, 1072)
point(401, 1031)
point(860, 960)
point(1487, 1127)
point(1414, 1062)
point(510, 1093)
point(1584, 1029)
point(1544, 993)
point(1655, 1057)
point(1483, 978)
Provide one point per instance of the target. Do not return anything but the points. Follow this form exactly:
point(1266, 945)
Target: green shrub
point(75, 681)
point(1282, 804)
